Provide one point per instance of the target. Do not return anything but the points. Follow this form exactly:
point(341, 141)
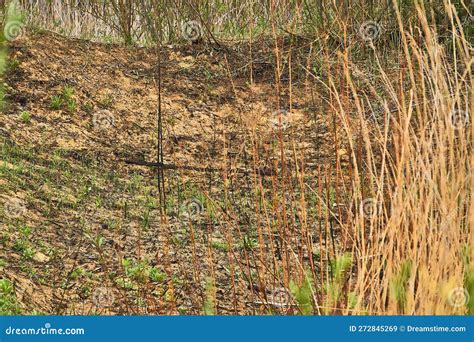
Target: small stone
point(40, 257)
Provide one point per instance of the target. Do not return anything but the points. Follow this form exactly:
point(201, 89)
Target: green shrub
point(303, 295)
point(25, 117)
point(56, 102)
point(398, 285)
point(8, 301)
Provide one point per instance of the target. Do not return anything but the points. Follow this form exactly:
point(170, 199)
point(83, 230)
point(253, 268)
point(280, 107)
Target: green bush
point(8, 302)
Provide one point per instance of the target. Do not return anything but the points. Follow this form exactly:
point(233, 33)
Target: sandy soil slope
point(84, 221)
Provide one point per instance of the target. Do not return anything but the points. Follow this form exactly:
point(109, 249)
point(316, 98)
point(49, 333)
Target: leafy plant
point(107, 100)
point(468, 277)
point(140, 272)
point(88, 107)
point(77, 273)
point(71, 105)
point(398, 285)
point(8, 301)
point(469, 286)
point(156, 275)
point(209, 306)
point(25, 117)
point(67, 93)
point(64, 100)
point(220, 245)
point(303, 295)
point(248, 243)
point(56, 102)
point(12, 64)
point(339, 268)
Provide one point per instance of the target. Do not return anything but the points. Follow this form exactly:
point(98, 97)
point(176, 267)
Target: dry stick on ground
point(263, 171)
point(228, 236)
point(160, 171)
point(159, 146)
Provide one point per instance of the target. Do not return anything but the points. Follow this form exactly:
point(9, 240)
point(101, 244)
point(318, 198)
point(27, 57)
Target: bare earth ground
point(89, 221)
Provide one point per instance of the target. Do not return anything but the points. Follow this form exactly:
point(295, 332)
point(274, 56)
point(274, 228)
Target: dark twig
point(261, 171)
